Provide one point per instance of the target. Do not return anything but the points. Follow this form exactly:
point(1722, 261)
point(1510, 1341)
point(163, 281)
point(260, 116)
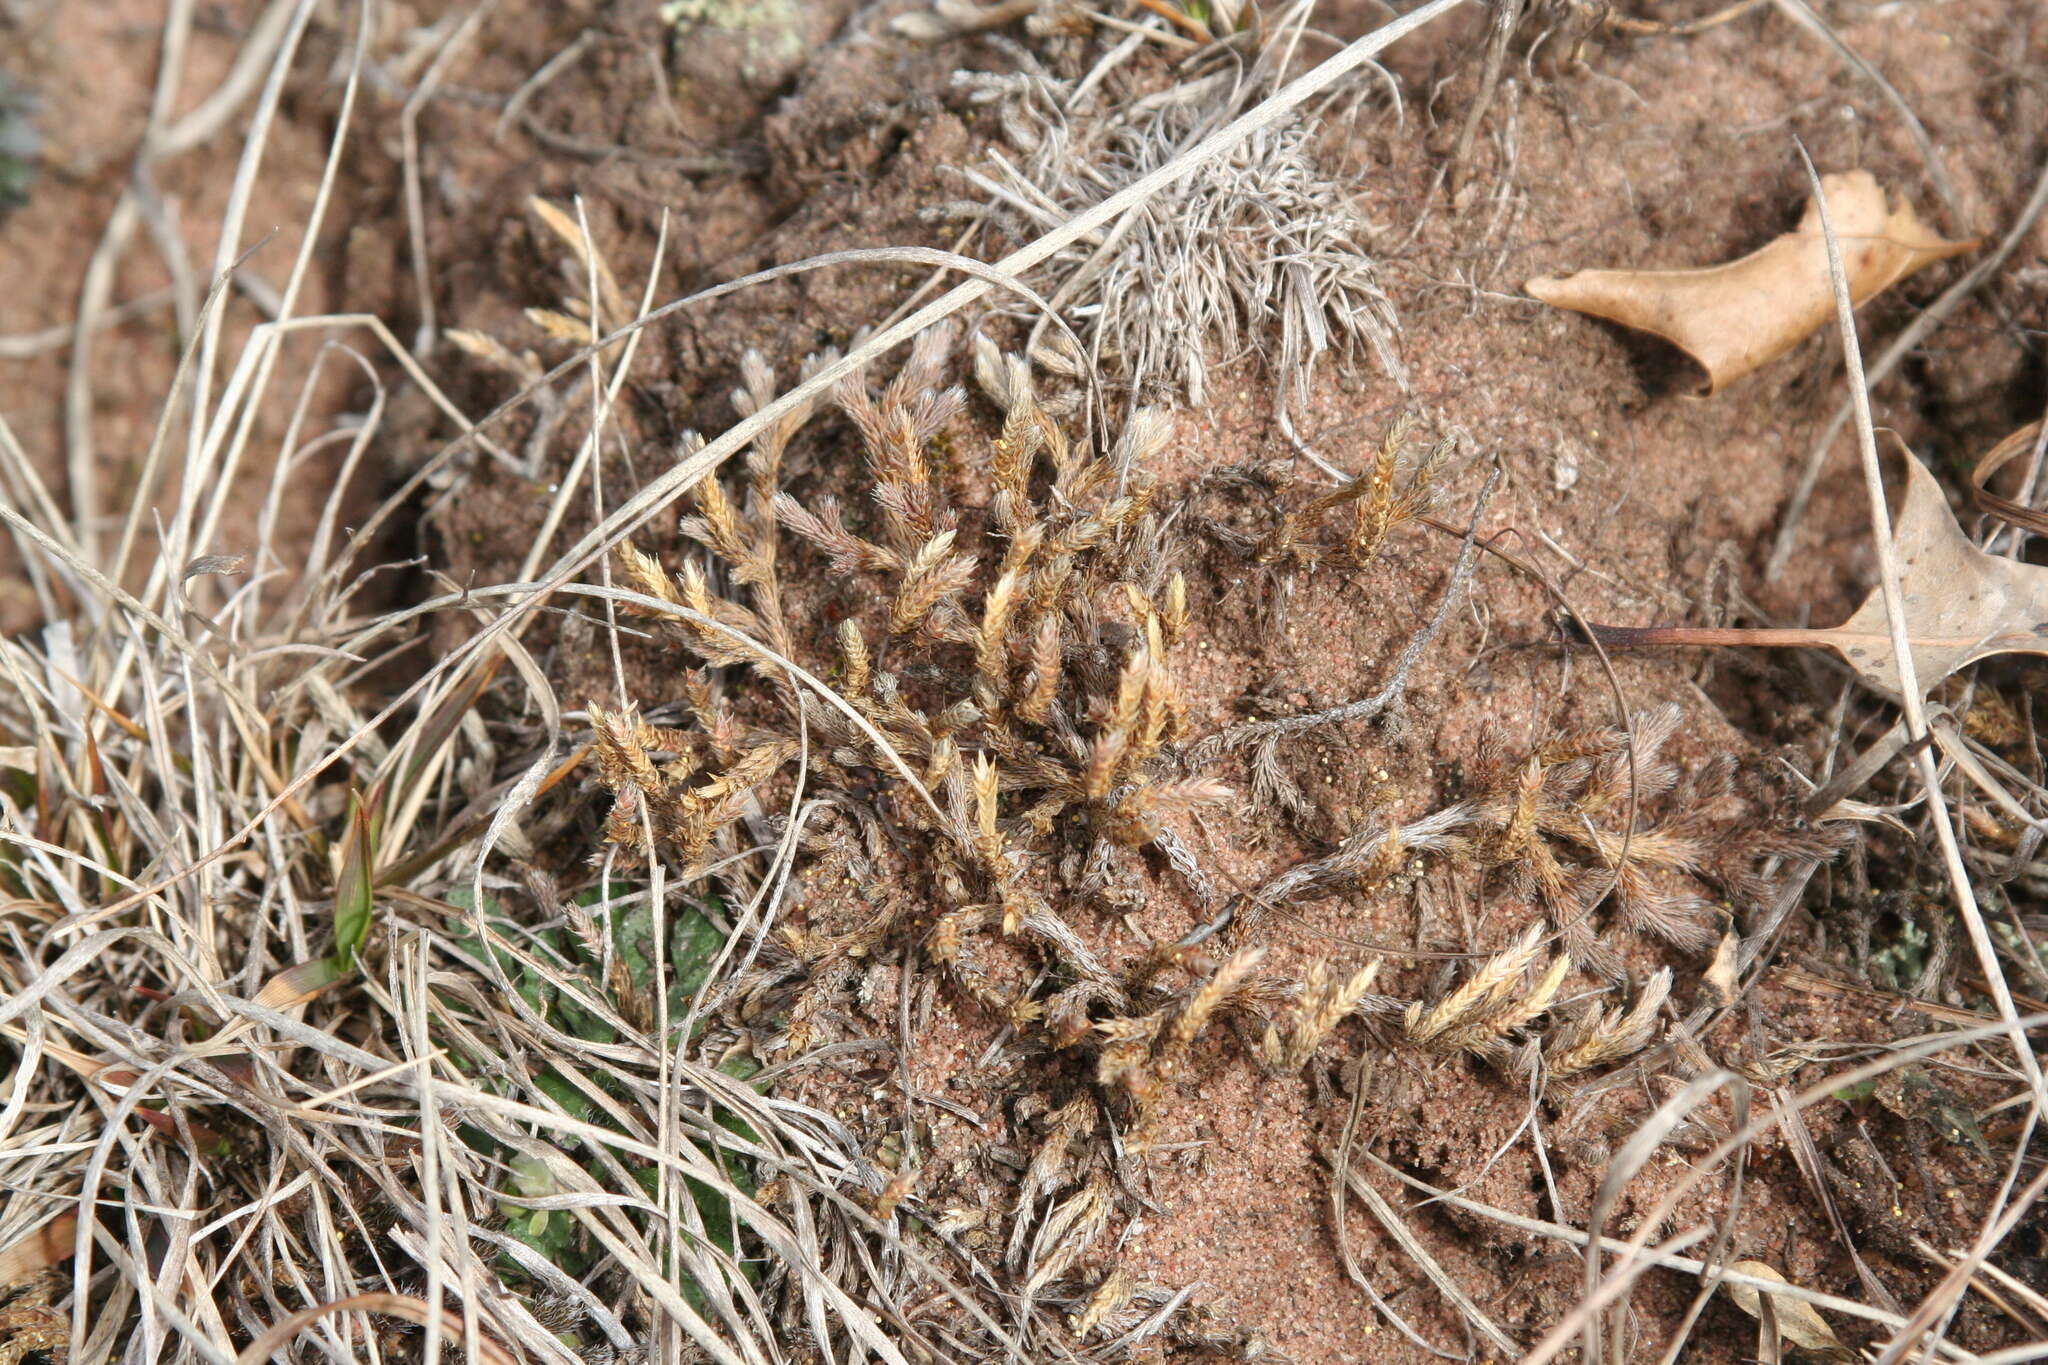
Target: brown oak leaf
point(1737, 317)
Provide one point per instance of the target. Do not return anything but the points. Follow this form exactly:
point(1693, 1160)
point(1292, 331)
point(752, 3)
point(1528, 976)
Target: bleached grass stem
point(1911, 702)
point(1578, 1237)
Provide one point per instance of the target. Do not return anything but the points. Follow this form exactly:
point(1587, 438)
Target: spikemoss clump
point(1003, 655)
point(950, 703)
point(998, 614)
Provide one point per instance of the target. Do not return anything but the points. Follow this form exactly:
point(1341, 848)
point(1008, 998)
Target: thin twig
point(1506, 14)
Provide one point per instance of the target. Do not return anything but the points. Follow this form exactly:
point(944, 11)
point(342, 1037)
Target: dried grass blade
point(1902, 660)
point(1391, 1220)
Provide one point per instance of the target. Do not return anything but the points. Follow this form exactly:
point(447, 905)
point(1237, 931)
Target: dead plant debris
point(1736, 318)
point(1798, 1323)
point(1961, 603)
point(1262, 252)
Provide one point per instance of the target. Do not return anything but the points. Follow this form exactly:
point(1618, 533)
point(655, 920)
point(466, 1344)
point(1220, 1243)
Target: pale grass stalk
point(1911, 702)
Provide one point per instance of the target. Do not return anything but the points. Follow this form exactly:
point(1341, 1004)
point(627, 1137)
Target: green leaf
point(712, 1204)
point(572, 1018)
point(465, 939)
point(556, 1087)
point(551, 1232)
point(694, 945)
point(355, 887)
point(740, 1067)
point(462, 936)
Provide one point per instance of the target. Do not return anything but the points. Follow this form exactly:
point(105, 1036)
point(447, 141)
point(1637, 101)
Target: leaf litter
point(1738, 317)
point(1782, 1316)
point(1962, 603)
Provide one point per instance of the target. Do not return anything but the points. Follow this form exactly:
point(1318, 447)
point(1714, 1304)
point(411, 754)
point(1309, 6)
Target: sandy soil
point(1645, 503)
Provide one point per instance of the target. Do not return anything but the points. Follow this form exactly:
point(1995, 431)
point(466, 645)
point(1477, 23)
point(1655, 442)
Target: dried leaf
point(299, 983)
point(1799, 1322)
point(1737, 317)
point(1719, 977)
point(215, 564)
point(48, 1245)
point(1961, 604)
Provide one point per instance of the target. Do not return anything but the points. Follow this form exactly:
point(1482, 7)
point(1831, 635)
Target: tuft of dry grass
point(1264, 251)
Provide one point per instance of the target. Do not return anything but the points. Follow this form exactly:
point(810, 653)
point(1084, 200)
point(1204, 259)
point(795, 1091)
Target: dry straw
point(1260, 251)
